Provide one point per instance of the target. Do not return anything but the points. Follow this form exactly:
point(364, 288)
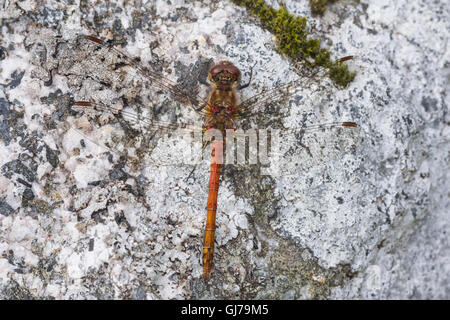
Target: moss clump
point(318, 6)
point(340, 75)
point(292, 37)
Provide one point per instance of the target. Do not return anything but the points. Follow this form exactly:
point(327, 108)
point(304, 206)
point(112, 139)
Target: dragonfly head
point(224, 72)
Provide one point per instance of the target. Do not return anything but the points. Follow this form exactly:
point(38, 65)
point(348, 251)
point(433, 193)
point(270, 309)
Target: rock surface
point(87, 212)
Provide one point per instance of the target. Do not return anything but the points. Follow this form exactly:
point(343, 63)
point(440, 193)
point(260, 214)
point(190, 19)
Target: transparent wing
point(134, 117)
point(154, 78)
point(142, 138)
point(258, 102)
point(314, 150)
point(308, 79)
point(290, 151)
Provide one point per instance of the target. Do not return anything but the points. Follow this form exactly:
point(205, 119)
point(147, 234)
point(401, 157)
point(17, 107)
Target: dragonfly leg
point(306, 148)
point(204, 82)
point(201, 107)
point(205, 144)
point(302, 132)
point(192, 171)
point(243, 86)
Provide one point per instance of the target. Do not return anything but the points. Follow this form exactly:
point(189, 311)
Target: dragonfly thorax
point(220, 117)
point(222, 110)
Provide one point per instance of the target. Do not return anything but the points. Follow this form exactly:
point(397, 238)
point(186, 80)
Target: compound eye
point(230, 109)
point(214, 109)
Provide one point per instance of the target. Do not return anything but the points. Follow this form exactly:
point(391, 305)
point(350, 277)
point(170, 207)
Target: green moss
point(340, 75)
point(318, 6)
point(292, 37)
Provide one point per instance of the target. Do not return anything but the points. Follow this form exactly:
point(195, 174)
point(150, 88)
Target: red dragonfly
point(221, 109)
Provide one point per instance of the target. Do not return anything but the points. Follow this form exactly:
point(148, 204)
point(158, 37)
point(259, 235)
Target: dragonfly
point(220, 110)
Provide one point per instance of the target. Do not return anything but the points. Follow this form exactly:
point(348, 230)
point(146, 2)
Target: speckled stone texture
point(91, 208)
